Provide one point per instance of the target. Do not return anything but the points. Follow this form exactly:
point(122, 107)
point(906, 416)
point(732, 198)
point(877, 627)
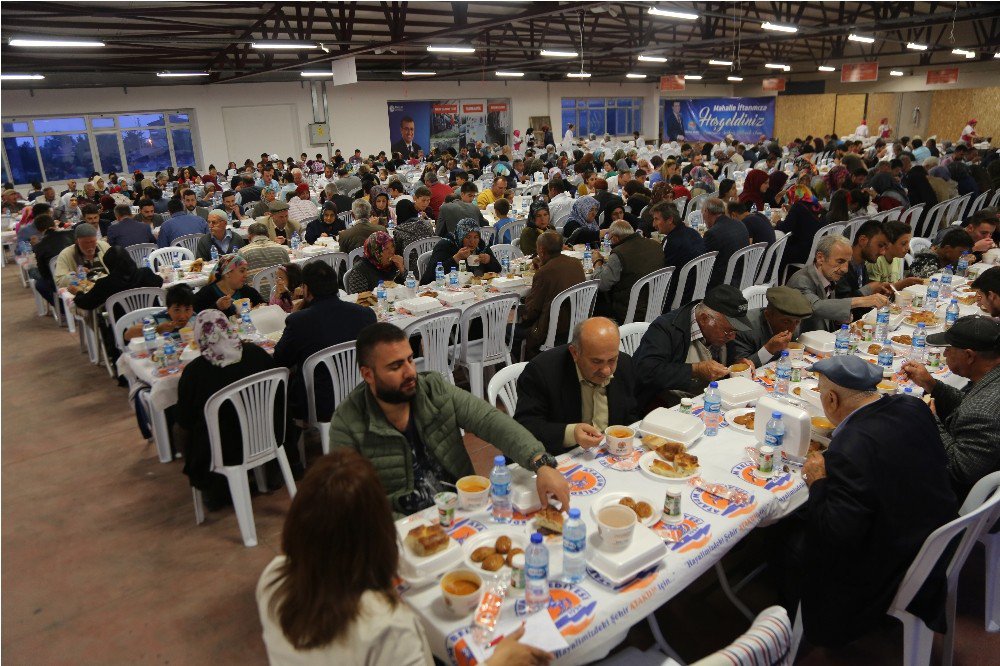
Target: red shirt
point(439, 191)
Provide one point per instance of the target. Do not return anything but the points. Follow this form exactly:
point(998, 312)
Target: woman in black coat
point(459, 246)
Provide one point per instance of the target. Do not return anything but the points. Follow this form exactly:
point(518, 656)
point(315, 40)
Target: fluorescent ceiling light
point(775, 65)
point(727, 63)
point(649, 58)
point(282, 45)
point(451, 49)
point(776, 27)
point(827, 68)
point(316, 72)
point(56, 43)
point(579, 75)
point(913, 46)
point(21, 77)
point(734, 78)
point(860, 38)
point(963, 52)
point(170, 75)
point(511, 74)
point(414, 72)
point(693, 77)
point(895, 72)
point(997, 55)
point(557, 54)
point(631, 75)
point(669, 13)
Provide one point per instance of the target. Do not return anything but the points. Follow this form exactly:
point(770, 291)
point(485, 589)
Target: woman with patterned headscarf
point(701, 181)
point(582, 214)
point(228, 290)
point(380, 263)
point(802, 222)
point(466, 244)
point(754, 186)
point(835, 178)
point(224, 360)
point(378, 196)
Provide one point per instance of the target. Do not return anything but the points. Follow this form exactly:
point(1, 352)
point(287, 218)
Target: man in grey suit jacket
point(817, 283)
point(771, 327)
point(969, 418)
point(190, 201)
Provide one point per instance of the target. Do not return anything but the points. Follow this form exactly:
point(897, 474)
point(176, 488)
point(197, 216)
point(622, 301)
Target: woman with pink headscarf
point(380, 263)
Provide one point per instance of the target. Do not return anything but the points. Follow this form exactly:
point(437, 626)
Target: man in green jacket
point(408, 424)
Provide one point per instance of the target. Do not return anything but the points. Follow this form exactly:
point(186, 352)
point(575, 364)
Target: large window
point(602, 115)
point(50, 148)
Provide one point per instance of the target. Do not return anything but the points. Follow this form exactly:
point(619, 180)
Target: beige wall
point(850, 111)
point(883, 105)
point(951, 109)
point(801, 115)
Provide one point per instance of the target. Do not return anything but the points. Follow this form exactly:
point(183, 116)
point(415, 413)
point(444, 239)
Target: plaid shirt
point(262, 252)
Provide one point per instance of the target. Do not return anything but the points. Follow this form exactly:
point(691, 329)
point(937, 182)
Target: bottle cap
point(500, 460)
point(784, 353)
point(536, 537)
point(687, 401)
point(843, 327)
point(574, 513)
point(714, 385)
point(921, 325)
point(776, 415)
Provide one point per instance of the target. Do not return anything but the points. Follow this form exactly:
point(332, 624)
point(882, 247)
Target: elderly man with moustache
point(86, 251)
point(568, 395)
point(818, 281)
point(771, 327)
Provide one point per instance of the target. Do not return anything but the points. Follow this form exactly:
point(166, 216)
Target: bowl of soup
point(822, 426)
point(461, 590)
point(473, 492)
point(741, 370)
point(620, 440)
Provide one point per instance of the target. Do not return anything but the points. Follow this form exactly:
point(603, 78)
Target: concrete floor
point(103, 563)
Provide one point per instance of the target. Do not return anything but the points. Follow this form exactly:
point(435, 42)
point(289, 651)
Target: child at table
point(501, 208)
point(180, 307)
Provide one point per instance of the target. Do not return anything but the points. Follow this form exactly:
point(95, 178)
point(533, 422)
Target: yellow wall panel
point(797, 116)
point(884, 105)
point(850, 112)
point(951, 109)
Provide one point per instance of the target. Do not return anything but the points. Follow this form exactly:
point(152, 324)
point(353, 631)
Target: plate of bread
point(741, 419)
point(645, 508)
point(669, 462)
point(493, 550)
point(426, 550)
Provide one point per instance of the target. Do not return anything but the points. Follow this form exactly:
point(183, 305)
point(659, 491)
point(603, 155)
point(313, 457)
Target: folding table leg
point(161, 434)
point(661, 642)
point(724, 582)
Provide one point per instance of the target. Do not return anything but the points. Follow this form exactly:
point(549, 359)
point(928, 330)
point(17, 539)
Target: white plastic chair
point(354, 255)
point(265, 277)
point(340, 362)
point(996, 198)
point(977, 204)
point(487, 234)
point(190, 241)
point(133, 299)
point(702, 267)
point(682, 206)
point(503, 385)
point(255, 399)
point(985, 487)
point(756, 296)
point(934, 219)
point(658, 281)
point(957, 211)
point(851, 230)
point(495, 344)
point(508, 250)
point(436, 331)
point(346, 280)
point(582, 298)
point(139, 252)
point(128, 320)
point(631, 335)
point(166, 255)
point(750, 256)
point(335, 260)
point(411, 253)
point(771, 263)
point(41, 305)
point(911, 215)
point(514, 228)
point(422, 262)
point(830, 229)
point(560, 221)
point(695, 203)
point(694, 219)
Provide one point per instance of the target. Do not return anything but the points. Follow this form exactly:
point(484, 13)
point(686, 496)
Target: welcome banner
point(711, 119)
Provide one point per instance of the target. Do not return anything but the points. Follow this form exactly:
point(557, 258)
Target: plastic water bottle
point(411, 284)
point(783, 373)
point(149, 333)
point(295, 240)
point(439, 274)
point(963, 266)
point(247, 328)
point(882, 324)
point(774, 434)
point(536, 574)
point(453, 277)
point(148, 262)
point(81, 273)
point(215, 254)
point(885, 357)
point(606, 246)
point(574, 547)
point(946, 283)
point(918, 349)
point(503, 508)
point(842, 345)
point(380, 295)
point(390, 225)
point(177, 268)
point(168, 357)
point(767, 211)
point(505, 265)
point(712, 413)
point(930, 301)
point(951, 314)
point(753, 208)
point(588, 259)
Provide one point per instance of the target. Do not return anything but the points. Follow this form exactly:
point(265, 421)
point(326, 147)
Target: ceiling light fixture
point(177, 75)
point(649, 58)
point(316, 72)
point(895, 72)
point(278, 45)
point(21, 77)
point(693, 77)
point(913, 46)
point(417, 73)
point(860, 38)
point(734, 78)
point(827, 68)
point(963, 52)
point(451, 49)
point(510, 74)
point(632, 75)
point(669, 13)
point(57, 43)
point(775, 65)
point(726, 63)
point(996, 55)
point(557, 54)
point(579, 75)
point(777, 27)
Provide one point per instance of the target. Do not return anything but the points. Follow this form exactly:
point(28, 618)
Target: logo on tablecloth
point(777, 483)
point(642, 579)
point(457, 644)
point(722, 507)
point(465, 528)
point(686, 536)
point(517, 517)
point(571, 607)
point(623, 463)
point(582, 480)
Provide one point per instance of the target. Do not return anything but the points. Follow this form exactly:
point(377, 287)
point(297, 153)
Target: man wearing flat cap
point(968, 419)
point(279, 227)
point(874, 496)
point(684, 350)
point(771, 327)
point(85, 251)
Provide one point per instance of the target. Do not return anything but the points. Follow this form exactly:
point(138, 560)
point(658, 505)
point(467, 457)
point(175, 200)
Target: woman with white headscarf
point(582, 225)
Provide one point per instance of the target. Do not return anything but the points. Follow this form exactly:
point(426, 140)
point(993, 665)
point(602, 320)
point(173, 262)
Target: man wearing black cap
point(969, 419)
point(874, 496)
point(771, 327)
point(685, 349)
point(987, 287)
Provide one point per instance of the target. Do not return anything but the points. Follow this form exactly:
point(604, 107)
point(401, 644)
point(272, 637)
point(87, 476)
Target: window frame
point(629, 108)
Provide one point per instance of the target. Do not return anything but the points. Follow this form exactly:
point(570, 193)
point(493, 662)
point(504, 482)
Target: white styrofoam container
point(420, 304)
point(523, 490)
point(456, 297)
point(327, 242)
point(416, 569)
point(819, 342)
point(645, 550)
point(798, 425)
point(672, 425)
point(504, 283)
point(739, 391)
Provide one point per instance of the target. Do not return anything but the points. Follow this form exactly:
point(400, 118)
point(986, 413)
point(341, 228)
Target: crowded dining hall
point(501, 333)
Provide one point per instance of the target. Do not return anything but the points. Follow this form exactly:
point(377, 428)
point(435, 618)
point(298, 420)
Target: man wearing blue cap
point(874, 496)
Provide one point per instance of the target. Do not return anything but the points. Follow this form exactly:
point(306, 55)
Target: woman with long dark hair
point(919, 189)
point(802, 222)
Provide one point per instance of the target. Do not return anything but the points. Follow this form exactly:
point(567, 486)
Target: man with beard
point(409, 425)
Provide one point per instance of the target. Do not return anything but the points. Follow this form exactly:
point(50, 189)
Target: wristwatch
point(544, 460)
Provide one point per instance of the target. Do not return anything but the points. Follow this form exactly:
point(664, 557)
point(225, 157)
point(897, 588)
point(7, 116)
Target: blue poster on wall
point(711, 119)
point(409, 127)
